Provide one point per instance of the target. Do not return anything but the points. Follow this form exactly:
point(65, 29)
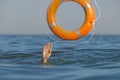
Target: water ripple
point(20, 58)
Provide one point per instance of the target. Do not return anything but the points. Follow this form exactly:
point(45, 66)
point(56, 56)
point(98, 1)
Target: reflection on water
point(20, 58)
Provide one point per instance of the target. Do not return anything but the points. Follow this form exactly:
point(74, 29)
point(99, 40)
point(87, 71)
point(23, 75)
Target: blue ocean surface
point(97, 59)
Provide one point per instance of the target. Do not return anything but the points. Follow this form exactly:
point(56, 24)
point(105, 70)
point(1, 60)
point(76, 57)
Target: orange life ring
point(74, 34)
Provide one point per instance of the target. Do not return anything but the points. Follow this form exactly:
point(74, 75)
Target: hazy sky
point(23, 16)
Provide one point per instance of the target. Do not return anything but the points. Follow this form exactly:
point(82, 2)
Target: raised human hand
point(46, 52)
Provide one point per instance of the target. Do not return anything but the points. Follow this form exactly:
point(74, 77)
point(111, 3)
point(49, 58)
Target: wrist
point(44, 61)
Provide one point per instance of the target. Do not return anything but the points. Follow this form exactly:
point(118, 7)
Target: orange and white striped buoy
point(74, 34)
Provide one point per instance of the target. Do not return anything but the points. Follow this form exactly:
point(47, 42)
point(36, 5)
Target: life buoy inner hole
point(70, 15)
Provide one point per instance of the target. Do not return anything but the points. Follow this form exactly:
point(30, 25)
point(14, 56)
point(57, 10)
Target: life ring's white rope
point(99, 11)
point(92, 33)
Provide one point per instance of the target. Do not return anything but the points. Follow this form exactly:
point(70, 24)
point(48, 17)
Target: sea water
point(20, 58)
